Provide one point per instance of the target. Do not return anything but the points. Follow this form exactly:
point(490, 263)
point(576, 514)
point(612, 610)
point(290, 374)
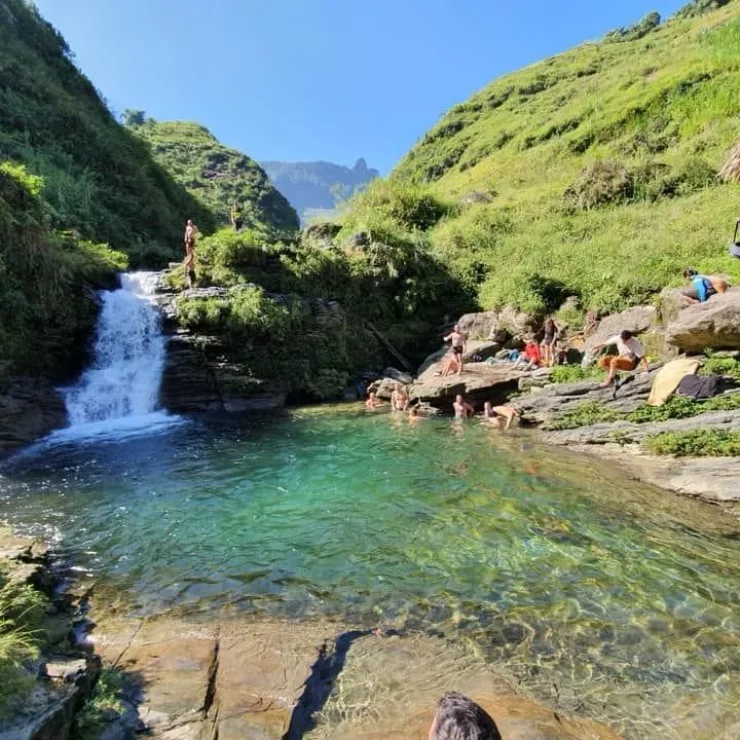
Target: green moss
point(106, 699)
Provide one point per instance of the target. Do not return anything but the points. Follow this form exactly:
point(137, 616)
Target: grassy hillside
point(592, 173)
point(99, 178)
point(315, 189)
point(218, 176)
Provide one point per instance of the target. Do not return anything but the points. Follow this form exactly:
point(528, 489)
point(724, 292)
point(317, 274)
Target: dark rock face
point(711, 325)
point(29, 408)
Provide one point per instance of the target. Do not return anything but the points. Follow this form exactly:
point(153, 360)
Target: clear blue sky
point(319, 79)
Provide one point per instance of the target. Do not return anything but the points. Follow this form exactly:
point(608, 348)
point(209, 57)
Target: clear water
point(603, 596)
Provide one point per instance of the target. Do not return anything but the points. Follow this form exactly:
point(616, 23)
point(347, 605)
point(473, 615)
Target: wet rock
point(711, 325)
point(29, 408)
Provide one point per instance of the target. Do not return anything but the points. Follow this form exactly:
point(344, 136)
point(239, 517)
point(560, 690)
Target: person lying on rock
point(702, 288)
point(399, 398)
point(459, 345)
point(460, 718)
point(630, 354)
point(463, 410)
point(496, 414)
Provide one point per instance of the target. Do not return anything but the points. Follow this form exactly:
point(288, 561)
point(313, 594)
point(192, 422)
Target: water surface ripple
point(604, 596)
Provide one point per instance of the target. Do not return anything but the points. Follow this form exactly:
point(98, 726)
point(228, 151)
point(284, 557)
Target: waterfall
point(121, 387)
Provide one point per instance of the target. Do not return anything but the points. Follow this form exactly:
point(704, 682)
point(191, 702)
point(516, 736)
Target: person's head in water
point(626, 335)
point(460, 718)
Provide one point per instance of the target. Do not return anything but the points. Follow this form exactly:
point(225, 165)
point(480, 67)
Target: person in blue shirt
point(701, 289)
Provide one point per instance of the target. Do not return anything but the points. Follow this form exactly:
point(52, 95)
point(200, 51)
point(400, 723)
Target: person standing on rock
point(630, 354)
point(459, 345)
point(236, 218)
point(549, 340)
point(460, 718)
point(191, 234)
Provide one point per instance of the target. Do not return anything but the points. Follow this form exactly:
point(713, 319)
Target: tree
point(131, 117)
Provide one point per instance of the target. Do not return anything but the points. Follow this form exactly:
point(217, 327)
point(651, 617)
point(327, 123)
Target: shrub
point(601, 183)
point(695, 443)
point(699, 7)
point(636, 31)
point(714, 365)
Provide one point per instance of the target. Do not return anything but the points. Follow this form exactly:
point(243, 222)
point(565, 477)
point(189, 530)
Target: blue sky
point(319, 79)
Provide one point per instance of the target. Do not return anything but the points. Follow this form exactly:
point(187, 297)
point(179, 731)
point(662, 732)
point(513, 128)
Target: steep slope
point(218, 176)
point(592, 173)
point(315, 188)
point(99, 179)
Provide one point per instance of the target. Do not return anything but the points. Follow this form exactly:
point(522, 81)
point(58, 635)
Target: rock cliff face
point(198, 375)
point(711, 325)
point(29, 408)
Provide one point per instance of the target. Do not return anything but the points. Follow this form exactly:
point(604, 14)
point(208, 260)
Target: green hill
point(218, 176)
point(99, 179)
point(592, 173)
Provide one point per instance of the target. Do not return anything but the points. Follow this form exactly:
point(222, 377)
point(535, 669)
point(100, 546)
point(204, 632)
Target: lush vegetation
point(695, 443)
point(316, 189)
point(99, 178)
point(21, 611)
point(47, 309)
point(676, 408)
point(302, 313)
point(591, 174)
point(218, 177)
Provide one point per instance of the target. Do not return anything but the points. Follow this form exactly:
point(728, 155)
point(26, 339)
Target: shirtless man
point(399, 398)
point(459, 345)
point(463, 410)
point(372, 402)
point(191, 233)
point(497, 413)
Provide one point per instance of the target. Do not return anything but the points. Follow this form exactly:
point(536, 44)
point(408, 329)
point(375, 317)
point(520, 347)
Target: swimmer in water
point(497, 413)
point(372, 402)
point(463, 410)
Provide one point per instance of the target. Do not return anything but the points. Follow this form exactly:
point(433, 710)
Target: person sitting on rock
point(496, 414)
point(531, 357)
point(463, 410)
point(399, 398)
point(459, 345)
point(460, 718)
point(701, 289)
point(630, 354)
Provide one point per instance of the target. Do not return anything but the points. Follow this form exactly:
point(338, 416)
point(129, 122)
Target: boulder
point(479, 382)
point(29, 408)
point(475, 197)
point(711, 325)
point(398, 375)
point(485, 349)
point(496, 325)
point(637, 320)
point(322, 232)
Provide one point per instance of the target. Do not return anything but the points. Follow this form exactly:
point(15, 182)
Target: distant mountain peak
point(317, 188)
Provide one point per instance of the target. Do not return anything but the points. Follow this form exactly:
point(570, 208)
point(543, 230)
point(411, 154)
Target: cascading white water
point(122, 384)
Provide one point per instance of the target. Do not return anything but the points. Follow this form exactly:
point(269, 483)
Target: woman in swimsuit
point(549, 341)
